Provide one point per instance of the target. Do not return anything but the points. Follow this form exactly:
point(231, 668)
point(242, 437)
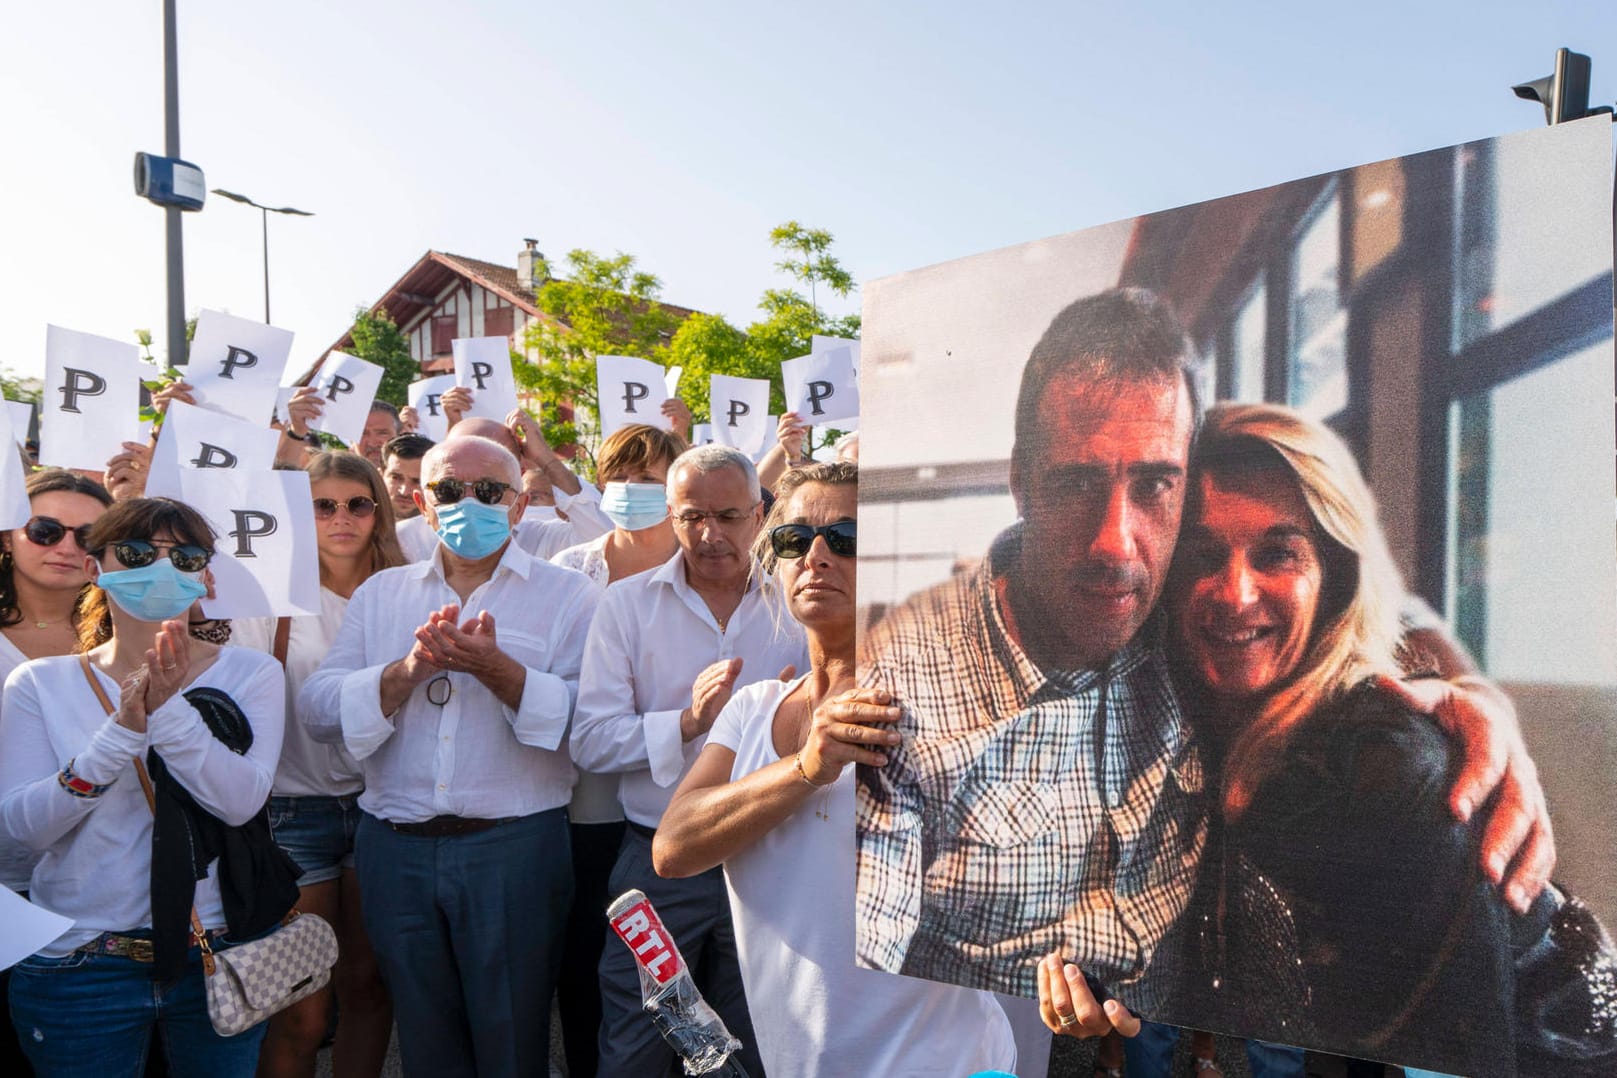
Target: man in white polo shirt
point(668, 647)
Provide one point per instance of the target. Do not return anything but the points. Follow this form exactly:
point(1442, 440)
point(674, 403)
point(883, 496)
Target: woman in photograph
point(313, 809)
point(79, 738)
point(771, 798)
point(1341, 904)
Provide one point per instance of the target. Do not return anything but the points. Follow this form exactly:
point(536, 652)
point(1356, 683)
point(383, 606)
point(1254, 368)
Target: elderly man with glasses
point(452, 683)
point(667, 649)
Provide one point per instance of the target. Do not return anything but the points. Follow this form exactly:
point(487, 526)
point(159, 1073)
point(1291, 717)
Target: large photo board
point(1134, 736)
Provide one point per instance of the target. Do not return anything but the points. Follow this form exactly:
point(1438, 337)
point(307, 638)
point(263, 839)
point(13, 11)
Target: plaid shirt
point(1027, 811)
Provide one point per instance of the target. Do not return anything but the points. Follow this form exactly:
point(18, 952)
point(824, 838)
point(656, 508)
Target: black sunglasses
point(450, 491)
point(794, 540)
point(138, 553)
point(48, 531)
point(359, 507)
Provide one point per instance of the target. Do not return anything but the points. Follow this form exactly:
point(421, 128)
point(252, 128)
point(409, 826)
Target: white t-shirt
point(16, 860)
point(791, 895)
point(308, 768)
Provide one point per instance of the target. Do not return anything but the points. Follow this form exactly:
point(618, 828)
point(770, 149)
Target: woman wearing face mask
point(633, 466)
point(206, 724)
point(313, 812)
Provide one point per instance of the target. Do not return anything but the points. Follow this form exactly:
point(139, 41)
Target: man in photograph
point(1048, 795)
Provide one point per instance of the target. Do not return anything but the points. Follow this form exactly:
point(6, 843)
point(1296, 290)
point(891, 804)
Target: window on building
point(497, 321)
point(443, 332)
point(1316, 368)
point(1248, 343)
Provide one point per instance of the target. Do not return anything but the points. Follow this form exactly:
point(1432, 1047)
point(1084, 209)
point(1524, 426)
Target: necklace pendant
point(42, 624)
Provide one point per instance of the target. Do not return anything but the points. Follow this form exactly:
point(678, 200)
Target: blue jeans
point(92, 1015)
point(1150, 1055)
point(317, 833)
point(467, 932)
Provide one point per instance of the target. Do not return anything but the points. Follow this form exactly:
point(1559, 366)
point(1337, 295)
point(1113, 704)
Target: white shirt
point(791, 895)
point(16, 860)
point(473, 756)
point(543, 538)
point(587, 558)
point(308, 767)
point(98, 851)
point(652, 636)
point(595, 796)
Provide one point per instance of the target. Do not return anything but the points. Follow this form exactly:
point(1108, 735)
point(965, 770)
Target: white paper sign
point(237, 365)
point(822, 387)
point(348, 385)
point(483, 365)
point(424, 397)
point(818, 344)
point(14, 510)
point(25, 927)
point(740, 409)
point(197, 438)
point(630, 391)
point(265, 561)
point(769, 439)
point(283, 397)
point(671, 380)
point(91, 401)
point(701, 434)
point(22, 417)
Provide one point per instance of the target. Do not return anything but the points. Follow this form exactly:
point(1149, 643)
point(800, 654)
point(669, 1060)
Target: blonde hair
point(1355, 633)
point(384, 544)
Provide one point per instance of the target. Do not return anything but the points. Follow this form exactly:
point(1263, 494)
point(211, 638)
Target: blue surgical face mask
point(471, 529)
point(155, 592)
point(633, 506)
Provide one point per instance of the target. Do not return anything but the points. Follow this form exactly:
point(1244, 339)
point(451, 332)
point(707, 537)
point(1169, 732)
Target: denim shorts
point(317, 832)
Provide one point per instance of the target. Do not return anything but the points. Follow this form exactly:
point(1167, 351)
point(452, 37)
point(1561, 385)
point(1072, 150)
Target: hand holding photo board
point(1308, 883)
point(91, 403)
point(348, 385)
point(483, 365)
point(822, 387)
point(236, 365)
point(265, 562)
point(14, 506)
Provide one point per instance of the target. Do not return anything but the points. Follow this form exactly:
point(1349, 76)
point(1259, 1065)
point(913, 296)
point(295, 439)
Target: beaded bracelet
point(79, 787)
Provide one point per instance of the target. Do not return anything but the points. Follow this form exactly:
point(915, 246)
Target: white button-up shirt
point(544, 539)
point(471, 756)
point(652, 636)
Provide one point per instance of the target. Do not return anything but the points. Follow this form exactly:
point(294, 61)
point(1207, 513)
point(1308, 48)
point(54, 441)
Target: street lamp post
point(265, 211)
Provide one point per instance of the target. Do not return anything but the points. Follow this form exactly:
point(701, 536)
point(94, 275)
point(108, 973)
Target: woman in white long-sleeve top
point(206, 724)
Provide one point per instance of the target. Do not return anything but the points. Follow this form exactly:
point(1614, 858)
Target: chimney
point(529, 263)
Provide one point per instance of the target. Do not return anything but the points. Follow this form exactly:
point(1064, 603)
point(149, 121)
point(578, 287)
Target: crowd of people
point(525, 693)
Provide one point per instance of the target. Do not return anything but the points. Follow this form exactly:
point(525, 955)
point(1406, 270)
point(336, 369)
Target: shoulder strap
point(283, 633)
point(197, 931)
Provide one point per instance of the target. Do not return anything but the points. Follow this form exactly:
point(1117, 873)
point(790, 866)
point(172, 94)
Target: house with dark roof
point(443, 297)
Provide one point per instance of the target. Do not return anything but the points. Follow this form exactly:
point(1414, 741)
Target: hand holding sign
point(346, 385)
point(483, 365)
point(426, 397)
point(629, 390)
point(823, 387)
point(237, 365)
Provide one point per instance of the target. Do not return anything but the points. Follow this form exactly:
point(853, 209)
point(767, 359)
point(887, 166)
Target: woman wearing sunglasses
point(313, 809)
point(771, 798)
point(80, 738)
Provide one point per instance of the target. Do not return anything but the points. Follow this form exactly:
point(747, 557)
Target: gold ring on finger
point(1068, 1021)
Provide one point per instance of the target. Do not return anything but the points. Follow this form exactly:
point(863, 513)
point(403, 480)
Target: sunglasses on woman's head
point(138, 553)
point(450, 491)
point(794, 540)
point(359, 507)
point(48, 531)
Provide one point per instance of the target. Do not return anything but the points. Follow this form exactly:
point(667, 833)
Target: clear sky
point(916, 132)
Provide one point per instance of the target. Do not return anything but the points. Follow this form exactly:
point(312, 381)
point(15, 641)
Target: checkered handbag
point(251, 981)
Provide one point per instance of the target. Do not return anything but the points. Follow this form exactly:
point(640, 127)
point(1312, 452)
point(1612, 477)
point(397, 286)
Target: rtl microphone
point(667, 992)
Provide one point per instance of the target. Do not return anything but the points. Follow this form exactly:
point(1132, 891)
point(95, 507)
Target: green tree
point(708, 344)
point(606, 306)
point(377, 339)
